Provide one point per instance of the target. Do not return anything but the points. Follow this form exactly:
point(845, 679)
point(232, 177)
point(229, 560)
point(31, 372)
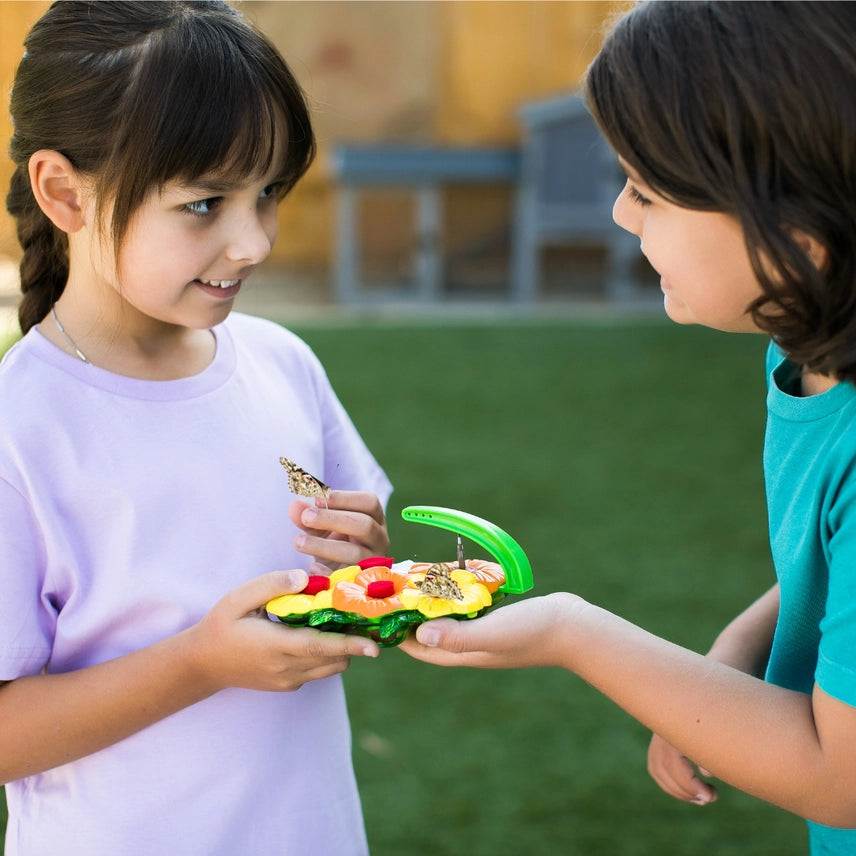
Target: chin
point(677, 311)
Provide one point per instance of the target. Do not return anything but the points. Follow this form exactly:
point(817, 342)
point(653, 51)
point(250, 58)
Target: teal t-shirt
point(810, 476)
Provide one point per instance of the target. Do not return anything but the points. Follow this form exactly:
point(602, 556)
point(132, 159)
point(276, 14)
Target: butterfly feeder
point(384, 600)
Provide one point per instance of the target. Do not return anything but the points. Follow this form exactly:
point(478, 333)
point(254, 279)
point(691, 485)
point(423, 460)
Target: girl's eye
point(636, 196)
point(270, 192)
point(202, 207)
point(207, 207)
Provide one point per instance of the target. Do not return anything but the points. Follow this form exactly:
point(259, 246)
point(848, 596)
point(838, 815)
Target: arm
point(791, 749)
point(745, 645)
point(52, 719)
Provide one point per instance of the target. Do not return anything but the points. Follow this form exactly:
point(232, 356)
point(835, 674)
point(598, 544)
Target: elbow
point(837, 817)
point(830, 806)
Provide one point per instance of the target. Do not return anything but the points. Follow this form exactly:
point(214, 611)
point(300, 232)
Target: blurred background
point(488, 87)
point(500, 345)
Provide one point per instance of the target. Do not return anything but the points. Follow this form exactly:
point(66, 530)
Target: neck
point(175, 352)
point(815, 384)
point(69, 341)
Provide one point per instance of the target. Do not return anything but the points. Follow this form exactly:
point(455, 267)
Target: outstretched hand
point(526, 633)
point(343, 529)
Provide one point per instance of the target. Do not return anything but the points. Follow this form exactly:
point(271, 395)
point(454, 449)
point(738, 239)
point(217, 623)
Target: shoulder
point(31, 390)
point(23, 371)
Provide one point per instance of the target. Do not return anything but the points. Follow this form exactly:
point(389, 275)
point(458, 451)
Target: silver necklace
point(67, 338)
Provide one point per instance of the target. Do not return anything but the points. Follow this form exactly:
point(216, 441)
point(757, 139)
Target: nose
point(626, 213)
point(251, 236)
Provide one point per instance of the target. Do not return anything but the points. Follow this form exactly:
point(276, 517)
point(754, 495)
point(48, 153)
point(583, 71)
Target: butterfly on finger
point(304, 484)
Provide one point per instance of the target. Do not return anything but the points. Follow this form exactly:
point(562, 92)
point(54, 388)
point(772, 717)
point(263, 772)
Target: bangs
point(656, 105)
point(209, 97)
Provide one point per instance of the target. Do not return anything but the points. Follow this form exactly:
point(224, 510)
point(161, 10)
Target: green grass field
point(626, 460)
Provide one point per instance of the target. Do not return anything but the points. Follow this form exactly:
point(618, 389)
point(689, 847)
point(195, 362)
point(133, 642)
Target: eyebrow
point(216, 186)
point(211, 186)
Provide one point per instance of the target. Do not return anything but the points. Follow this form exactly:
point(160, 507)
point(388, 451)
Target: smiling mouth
point(221, 283)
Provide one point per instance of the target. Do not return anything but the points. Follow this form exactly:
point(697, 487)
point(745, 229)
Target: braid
point(44, 266)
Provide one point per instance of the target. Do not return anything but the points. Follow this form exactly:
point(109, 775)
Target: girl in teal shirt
point(735, 124)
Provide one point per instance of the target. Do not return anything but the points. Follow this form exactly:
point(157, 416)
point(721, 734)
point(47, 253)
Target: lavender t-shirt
point(127, 509)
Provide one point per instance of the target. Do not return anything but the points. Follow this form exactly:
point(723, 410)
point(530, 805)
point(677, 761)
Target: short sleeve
point(836, 667)
point(348, 463)
point(26, 622)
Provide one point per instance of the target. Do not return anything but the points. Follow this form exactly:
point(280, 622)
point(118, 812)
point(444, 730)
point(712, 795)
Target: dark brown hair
point(750, 109)
point(136, 94)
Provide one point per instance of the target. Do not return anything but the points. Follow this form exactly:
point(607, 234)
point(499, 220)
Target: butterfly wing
point(302, 483)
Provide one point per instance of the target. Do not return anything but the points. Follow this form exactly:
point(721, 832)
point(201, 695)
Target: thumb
point(257, 592)
point(448, 634)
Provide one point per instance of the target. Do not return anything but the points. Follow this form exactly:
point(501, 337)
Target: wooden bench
point(423, 170)
point(569, 180)
point(565, 179)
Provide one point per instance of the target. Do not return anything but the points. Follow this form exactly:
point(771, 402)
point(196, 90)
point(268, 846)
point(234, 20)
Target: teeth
point(223, 283)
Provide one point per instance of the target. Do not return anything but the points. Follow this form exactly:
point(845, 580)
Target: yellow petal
point(432, 607)
point(476, 597)
point(344, 574)
point(290, 604)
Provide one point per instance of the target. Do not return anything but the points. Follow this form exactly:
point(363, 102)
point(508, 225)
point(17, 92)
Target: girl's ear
point(58, 189)
point(816, 252)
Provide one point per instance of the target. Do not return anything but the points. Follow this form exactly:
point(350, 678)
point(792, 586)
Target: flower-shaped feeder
point(383, 600)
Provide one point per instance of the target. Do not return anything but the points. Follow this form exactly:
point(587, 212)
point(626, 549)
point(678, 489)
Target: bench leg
point(428, 273)
point(347, 253)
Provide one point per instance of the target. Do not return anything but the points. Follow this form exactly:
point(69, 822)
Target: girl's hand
point(351, 527)
point(526, 633)
point(676, 774)
point(237, 645)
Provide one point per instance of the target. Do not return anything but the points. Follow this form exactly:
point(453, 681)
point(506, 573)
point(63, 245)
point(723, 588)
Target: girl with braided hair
point(148, 704)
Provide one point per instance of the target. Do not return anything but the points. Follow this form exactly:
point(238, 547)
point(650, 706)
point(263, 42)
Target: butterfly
point(303, 483)
point(438, 582)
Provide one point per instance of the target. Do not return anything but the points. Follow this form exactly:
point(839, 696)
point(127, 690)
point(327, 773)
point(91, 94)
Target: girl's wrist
point(568, 625)
point(187, 652)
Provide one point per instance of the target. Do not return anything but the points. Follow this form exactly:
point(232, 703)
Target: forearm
point(52, 719)
point(48, 720)
point(758, 737)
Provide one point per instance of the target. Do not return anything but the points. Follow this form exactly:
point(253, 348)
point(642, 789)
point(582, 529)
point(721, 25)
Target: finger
point(353, 524)
point(706, 794)
point(295, 514)
point(677, 786)
point(442, 633)
point(258, 591)
point(676, 774)
point(354, 500)
point(324, 646)
point(332, 550)
point(446, 642)
point(319, 569)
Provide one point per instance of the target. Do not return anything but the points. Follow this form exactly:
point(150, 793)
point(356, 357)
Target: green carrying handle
point(509, 554)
